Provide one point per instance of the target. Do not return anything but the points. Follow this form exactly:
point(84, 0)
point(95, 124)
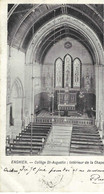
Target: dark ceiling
point(26, 19)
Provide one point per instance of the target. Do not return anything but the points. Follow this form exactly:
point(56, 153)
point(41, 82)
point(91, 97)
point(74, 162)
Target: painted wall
point(88, 76)
point(59, 50)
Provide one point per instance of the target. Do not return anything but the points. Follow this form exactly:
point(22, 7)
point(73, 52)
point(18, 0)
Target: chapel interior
point(55, 76)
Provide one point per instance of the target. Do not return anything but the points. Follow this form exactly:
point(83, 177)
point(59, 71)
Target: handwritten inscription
point(52, 174)
point(97, 179)
point(28, 170)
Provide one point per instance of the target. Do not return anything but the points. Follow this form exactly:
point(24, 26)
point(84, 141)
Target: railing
point(66, 120)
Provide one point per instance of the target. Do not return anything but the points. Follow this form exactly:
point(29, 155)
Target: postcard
point(51, 96)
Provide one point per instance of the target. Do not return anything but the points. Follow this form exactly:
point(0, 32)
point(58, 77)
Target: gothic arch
point(19, 87)
point(90, 37)
point(16, 99)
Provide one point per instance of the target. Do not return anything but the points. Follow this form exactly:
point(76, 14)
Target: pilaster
point(103, 101)
point(97, 93)
point(100, 96)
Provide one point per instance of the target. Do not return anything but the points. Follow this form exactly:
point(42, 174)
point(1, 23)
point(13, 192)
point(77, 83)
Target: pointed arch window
point(58, 73)
point(67, 71)
point(77, 73)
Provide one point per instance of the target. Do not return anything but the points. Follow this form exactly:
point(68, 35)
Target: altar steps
point(27, 143)
point(86, 141)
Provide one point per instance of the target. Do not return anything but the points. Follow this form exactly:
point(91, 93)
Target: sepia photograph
point(55, 80)
point(51, 96)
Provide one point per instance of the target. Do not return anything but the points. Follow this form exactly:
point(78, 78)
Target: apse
point(67, 71)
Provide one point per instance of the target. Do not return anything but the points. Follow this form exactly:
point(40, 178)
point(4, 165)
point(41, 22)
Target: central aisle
point(58, 142)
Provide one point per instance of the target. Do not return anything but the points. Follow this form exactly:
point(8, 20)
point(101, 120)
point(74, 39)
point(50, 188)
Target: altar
point(65, 107)
point(67, 102)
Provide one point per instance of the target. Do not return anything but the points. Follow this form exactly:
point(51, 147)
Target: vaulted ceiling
point(24, 20)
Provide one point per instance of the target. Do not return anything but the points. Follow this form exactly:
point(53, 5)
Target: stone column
point(8, 131)
point(97, 93)
point(103, 101)
point(100, 96)
point(28, 86)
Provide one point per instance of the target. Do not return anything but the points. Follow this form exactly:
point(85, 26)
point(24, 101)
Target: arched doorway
point(15, 113)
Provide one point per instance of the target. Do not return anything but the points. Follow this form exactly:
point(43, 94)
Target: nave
point(58, 140)
point(30, 141)
point(86, 141)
